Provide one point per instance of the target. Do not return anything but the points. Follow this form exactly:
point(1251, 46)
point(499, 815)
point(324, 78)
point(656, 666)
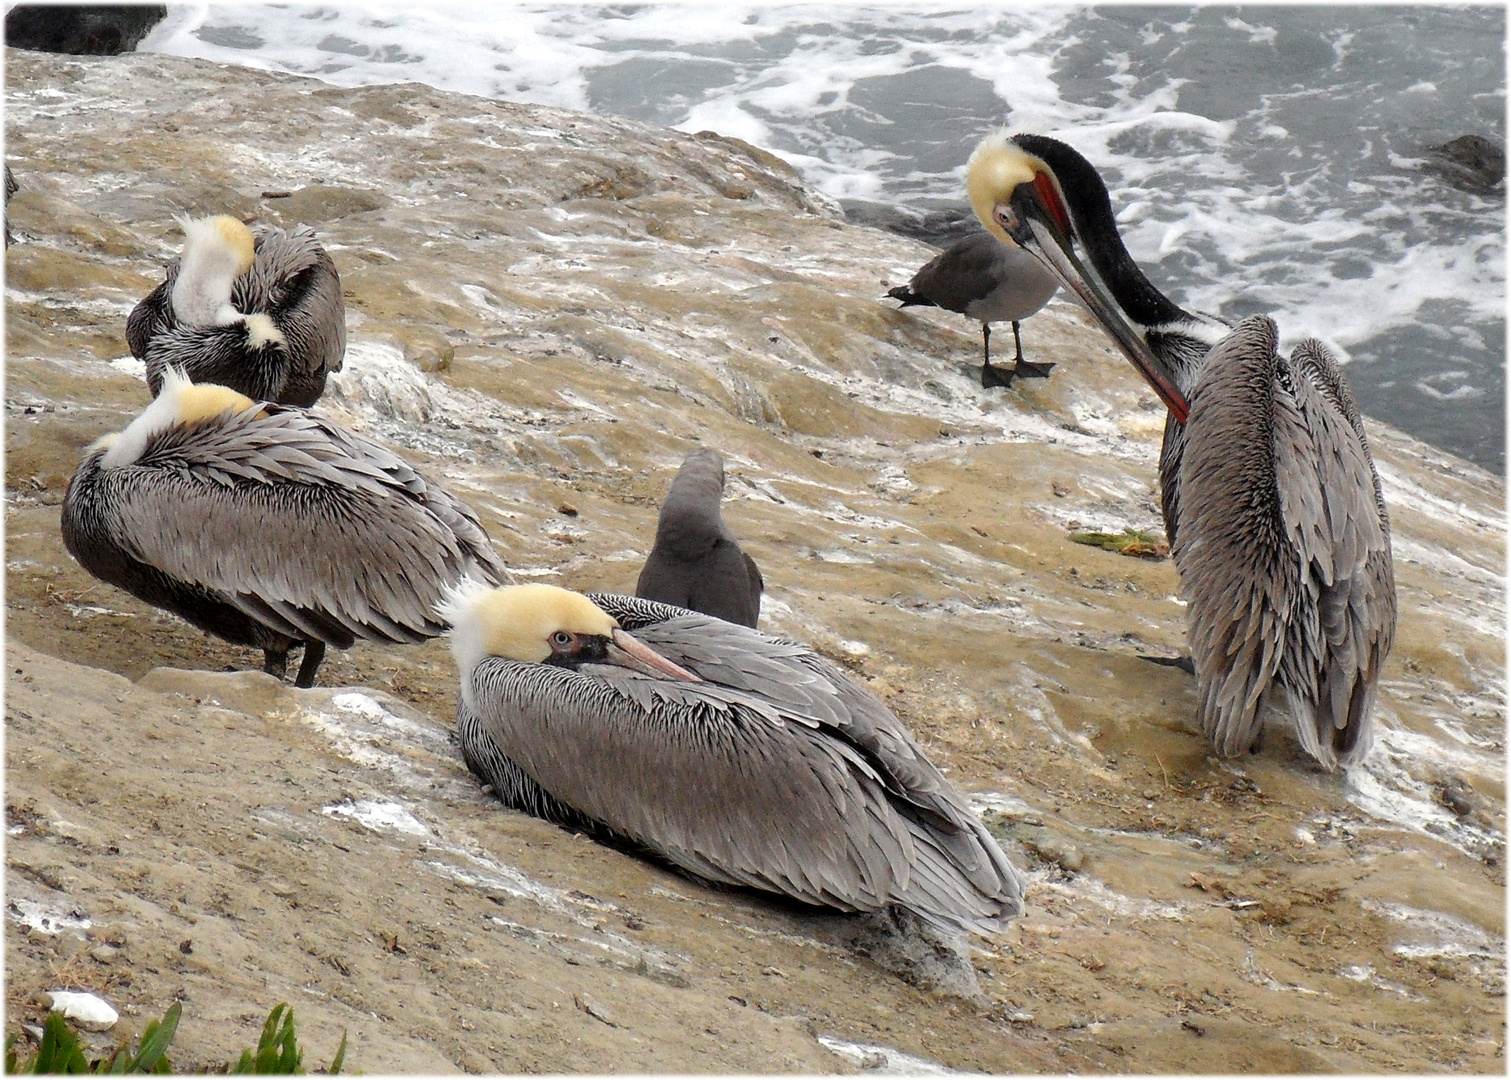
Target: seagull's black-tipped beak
point(629, 653)
point(1035, 217)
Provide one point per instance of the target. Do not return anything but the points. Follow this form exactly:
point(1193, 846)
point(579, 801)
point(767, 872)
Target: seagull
point(988, 281)
point(696, 561)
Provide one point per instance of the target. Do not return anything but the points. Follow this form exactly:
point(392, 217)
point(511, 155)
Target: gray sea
point(1268, 159)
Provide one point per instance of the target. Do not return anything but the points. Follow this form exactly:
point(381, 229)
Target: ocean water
point(1261, 158)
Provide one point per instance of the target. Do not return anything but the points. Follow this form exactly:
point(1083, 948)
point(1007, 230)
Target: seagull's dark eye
point(561, 639)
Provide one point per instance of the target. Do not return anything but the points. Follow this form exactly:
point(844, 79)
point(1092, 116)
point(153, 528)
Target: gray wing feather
point(314, 530)
point(1238, 576)
point(787, 776)
point(1345, 535)
point(726, 795)
point(961, 274)
point(1283, 550)
point(295, 281)
point(152, 315)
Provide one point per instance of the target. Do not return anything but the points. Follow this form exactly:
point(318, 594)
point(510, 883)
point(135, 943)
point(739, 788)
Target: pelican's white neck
point(178, 402)
point(216, 251)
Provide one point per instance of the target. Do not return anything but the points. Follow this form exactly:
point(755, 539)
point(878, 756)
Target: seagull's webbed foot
point(992, 375)
point(314, 653)
point(1025, 370)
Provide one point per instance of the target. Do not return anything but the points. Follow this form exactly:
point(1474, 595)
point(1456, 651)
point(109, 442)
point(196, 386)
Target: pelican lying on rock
point(258, 310)
point(1270, 496)
point(696, 561)
point(267, 526)
point(990, 282)
point(746, 760)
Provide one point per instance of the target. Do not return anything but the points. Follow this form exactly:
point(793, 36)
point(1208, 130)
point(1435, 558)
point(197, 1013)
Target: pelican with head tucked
point(696, 562)
point(256, 309)
point(1270, 496)
point(744, 759)
point(988, 281)
point(267, 526)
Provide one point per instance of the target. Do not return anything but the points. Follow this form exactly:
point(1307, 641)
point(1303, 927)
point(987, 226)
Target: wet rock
point(1470, 163)
point(85, 30)
point(90, 1011)
point(1057, 852)
point(941, 228)
point(318, 203)
point(594, 1009)
point(914, 950)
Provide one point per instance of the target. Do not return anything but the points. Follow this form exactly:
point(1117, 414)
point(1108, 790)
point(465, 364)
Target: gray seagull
point(988, 281)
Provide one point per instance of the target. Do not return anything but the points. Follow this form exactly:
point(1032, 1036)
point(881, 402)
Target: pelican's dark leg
point(991, 376)
point(275, 662)
point(314, 652)
point(1022, 367)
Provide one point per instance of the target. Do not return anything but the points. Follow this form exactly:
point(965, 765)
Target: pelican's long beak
point(627, 652)
point(1035, 217)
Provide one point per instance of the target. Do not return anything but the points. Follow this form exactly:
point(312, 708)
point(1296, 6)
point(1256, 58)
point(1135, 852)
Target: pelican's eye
point(561, 639)
point(1007, 217)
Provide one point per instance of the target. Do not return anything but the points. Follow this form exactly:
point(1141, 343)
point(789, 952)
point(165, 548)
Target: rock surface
point(549, 309)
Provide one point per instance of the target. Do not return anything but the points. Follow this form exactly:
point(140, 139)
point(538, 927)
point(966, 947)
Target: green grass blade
point(340, 1058)
point(155, 1040)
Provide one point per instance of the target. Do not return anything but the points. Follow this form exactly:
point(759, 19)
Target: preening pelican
point(267, 526)
point(696, 562)
point(258, 310)
point(746, 760)
point(988, 281)
point(1270, 496)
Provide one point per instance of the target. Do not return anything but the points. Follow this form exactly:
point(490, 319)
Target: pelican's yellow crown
point(995, 170)
point(515, 622)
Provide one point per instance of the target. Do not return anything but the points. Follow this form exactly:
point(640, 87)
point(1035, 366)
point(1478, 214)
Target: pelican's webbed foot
point(275, 662)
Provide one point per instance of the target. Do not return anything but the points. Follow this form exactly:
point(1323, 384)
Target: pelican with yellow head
point(1270, 496)
point(257, 308)
point(746, 760)
point(267, 526)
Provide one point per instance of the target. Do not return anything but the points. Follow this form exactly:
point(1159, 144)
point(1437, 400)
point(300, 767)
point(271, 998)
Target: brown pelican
point(1270, 496)
point(696, 561)
point(744, 759)
point(267, 526)
point(11, 187)
point(258, 310)
point(990, 282)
